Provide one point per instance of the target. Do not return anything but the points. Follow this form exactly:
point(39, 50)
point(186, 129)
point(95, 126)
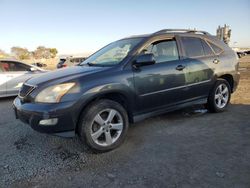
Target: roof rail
point(181, 31)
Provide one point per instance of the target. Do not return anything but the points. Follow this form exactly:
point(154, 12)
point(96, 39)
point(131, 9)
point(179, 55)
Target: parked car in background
point(38, 64)
point(69, 61)
point(13, 74)
point(61, 62)
point(241, 54)
point(127, 81)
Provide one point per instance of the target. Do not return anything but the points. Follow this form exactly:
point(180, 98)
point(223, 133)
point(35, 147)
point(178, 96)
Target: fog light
point(52, 121)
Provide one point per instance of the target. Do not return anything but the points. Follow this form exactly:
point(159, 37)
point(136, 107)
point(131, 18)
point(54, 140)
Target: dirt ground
point(50, 63)
point(242, 95)
point(186, 148)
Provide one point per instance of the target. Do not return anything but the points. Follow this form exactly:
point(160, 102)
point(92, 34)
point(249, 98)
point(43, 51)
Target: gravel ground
point(187, 148)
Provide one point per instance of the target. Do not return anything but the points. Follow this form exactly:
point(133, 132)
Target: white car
point(13, 74)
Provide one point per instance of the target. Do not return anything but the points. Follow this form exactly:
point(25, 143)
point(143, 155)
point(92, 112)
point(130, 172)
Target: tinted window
point(4, 66)
point(164, 51)
point(21, 67)
point(208, 51)
point(192, 46)
point(15, 66)
point(216, 49)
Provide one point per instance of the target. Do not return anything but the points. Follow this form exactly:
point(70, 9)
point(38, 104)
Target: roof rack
point(181, 31)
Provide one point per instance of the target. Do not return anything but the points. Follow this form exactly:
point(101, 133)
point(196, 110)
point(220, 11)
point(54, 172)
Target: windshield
point(113, 53)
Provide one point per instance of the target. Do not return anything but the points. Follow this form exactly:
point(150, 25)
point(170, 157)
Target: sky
point(84, 26)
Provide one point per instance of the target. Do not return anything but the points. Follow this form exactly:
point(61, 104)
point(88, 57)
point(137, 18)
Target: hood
point(69, 73)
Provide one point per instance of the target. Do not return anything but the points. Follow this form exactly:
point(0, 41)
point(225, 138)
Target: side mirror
point(144, 59)
point(32, 69)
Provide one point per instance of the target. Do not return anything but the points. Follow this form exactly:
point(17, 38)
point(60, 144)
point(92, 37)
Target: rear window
point(216, 48)
point(193, 47)
point(207, 49)
point(62, 60)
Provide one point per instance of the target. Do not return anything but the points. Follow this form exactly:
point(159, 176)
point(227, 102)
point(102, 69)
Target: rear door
point(200, 67)
point(161, 84)
point(3, 80)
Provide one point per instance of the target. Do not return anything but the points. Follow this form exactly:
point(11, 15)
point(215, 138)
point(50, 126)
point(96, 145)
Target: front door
point(160, 85)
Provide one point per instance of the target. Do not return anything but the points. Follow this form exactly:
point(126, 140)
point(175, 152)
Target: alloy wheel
point(107, 127)
point(221, 96)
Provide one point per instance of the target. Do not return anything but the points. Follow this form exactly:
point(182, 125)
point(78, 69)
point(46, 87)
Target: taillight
point(64, 65)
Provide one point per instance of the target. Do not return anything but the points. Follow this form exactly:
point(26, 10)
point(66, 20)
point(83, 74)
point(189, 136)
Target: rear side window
point(216, 48)
point(21, 67)
point(207, 49)
point(193, 46)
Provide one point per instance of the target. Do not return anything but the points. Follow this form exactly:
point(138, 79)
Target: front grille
point(25, 90)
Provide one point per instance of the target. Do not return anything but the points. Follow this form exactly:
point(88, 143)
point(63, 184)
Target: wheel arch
point(117, 96)
point(229, 79)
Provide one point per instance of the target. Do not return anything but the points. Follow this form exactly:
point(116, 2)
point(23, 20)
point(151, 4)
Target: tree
point(53, 52)
point(20, 53)
point(3, 54)
point(46, 53)
point(41, 52)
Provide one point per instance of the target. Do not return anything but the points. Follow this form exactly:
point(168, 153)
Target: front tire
point(219, 96)
point(103, 125)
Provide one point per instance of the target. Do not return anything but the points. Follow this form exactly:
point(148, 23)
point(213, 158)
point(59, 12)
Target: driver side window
point(163, 51)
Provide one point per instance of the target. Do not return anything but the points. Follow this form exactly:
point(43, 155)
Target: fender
point(102, 90)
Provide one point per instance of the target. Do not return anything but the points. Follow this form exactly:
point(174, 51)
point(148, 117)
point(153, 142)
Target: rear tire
point(103, 125)
point(219, 96)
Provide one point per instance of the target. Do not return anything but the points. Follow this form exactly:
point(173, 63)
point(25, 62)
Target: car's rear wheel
point(219, 96)
point(103, 125)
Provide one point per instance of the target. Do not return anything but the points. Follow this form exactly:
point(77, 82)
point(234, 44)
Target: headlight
point(53, 94)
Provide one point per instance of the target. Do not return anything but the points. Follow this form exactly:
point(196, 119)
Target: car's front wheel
point(219, 96)
point(103, 125)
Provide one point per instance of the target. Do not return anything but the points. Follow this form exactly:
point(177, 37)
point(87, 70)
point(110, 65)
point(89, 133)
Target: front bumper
point(33, 113)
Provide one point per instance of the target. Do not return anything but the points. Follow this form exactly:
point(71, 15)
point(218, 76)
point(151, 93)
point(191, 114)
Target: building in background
point(224, 33)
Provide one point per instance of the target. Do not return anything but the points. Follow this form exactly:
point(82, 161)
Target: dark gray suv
point(129, 80)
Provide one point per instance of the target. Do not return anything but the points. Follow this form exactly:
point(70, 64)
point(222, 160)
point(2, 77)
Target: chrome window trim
point(170, 89)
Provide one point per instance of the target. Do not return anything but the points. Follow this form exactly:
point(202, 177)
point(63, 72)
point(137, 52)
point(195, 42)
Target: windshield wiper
point(83, 64)
point(90, 64)
point(93, 64)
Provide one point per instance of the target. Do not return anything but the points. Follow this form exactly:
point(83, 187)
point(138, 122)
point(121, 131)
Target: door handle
point(180, 67)
point(216, 61)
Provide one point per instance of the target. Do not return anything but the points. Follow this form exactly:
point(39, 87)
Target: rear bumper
point(33, 113)
point(236, 81)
